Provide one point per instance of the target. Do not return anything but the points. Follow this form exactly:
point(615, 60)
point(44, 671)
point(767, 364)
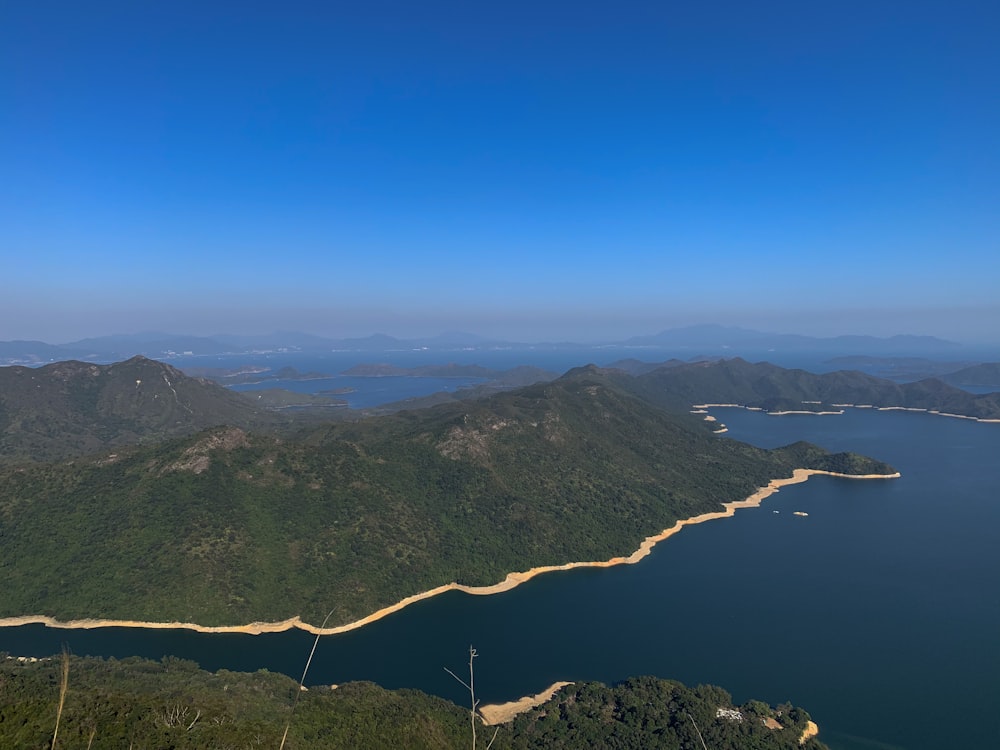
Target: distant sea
point(879, 612)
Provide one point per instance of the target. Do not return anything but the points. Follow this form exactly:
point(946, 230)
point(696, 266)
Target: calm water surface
point(879, 612)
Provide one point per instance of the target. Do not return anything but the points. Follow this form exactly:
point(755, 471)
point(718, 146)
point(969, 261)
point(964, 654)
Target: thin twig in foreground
point(63, 687)
point(302, 682)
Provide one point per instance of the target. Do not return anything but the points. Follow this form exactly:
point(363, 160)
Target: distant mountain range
point(729, 337)
point(776, 389)
point(710, 340)
point(74, 408)
point(675, 385)
point(986, 374)
point(963, 374)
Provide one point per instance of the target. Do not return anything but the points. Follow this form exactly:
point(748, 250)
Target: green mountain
point(772, 388)
point(451, 370)
point(515, 376)
point(228, 527)
point(74, 408)
point(986, 374)
point(280, 398)
point(900, 368)
point(250, 374)
point(637, 367)
point(501, 380)
point(173, 704)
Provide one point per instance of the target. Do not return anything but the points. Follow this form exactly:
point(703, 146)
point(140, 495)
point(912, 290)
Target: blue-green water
point(879, 612)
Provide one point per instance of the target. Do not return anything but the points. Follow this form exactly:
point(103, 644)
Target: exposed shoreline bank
point(702, 409)
point(511, 581)
point(501, 713)
point(809, 732)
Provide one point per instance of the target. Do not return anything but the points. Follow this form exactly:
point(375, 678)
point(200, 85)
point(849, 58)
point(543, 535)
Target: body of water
point(879, 612)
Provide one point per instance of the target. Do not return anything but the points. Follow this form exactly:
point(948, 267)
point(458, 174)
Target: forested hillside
point(73, 408)
point(172, 704)
point(772, 388)
point(228, 527)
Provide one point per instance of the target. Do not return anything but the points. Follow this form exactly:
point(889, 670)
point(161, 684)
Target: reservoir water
point(879, 612)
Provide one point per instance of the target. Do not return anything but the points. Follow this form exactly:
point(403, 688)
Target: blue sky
point(533, 170)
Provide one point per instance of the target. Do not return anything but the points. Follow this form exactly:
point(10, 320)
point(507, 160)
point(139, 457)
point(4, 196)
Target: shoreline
point(501, 713)
point(511, 581)
point(702, 409)
point(813, 413)
point(809, 732)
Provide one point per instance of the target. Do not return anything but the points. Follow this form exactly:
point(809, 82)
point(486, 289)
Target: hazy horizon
point(570, 171)
point(496, 333)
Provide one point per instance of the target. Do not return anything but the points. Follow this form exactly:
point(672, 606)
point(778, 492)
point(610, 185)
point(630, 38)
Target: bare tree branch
point(63, 687)
point(302, 682)
point(471, 687)
point(698, 731)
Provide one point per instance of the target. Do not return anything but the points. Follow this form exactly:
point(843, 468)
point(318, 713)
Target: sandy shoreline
point(501, 713)
point(700, 409)
point(511, 581)
point(809, 732)
point(812, 413)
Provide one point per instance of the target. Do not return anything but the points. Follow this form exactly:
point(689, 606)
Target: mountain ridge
point(72, 408)
point(706, 339)
point(775, 389)
point(228, 526)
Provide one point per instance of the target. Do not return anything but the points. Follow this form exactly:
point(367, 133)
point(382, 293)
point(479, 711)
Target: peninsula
point(511, 581)
point(227, 526)
point(736, 382)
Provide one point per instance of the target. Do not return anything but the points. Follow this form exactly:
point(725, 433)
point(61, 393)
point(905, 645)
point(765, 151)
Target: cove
point(879, 612)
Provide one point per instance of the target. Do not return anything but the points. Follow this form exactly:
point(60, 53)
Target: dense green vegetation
point(239, 523)
point(772, 388)
point(647, 712)
point(173, 704)
point(72, 408)
point(280, 398)
point(226, 527)
point(225, 376)
point(515, 376)
point(984, 374)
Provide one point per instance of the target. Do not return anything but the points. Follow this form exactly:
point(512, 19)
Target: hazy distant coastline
point(713, 340)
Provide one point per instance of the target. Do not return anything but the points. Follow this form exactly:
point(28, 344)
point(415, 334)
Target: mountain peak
point(73, 408)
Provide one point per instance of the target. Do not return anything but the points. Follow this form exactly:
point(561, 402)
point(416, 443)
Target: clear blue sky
point(528, 169)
